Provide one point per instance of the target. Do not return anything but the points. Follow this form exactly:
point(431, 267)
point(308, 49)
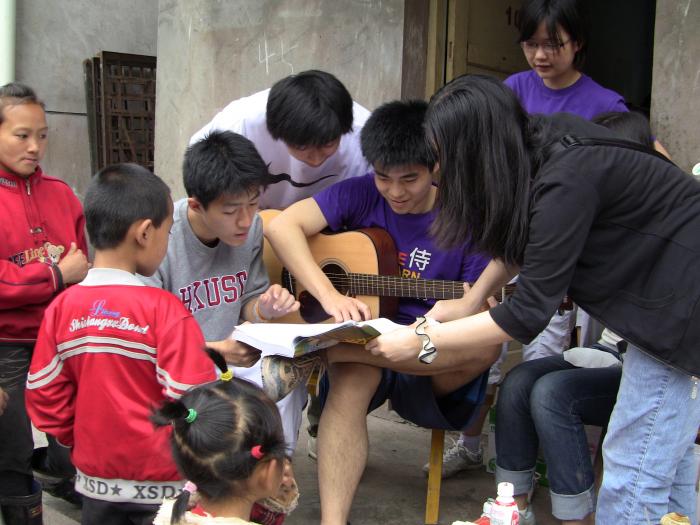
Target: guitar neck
point(395, 286)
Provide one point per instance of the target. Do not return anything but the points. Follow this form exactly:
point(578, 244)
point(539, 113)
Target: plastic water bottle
point(504, 510)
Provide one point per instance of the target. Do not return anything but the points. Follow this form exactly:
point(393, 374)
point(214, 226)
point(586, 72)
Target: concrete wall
point(675, 107)
point(212, 52)
point(53, 39)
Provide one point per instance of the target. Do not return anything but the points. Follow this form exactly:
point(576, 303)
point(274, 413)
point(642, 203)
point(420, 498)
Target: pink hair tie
point(190, 487)
point(257, 452)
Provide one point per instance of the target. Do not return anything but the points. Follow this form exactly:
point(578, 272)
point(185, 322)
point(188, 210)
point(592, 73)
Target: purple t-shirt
point(356, 203)
point(585, 98)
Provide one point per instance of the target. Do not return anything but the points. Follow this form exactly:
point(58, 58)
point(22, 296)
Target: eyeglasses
point(549, 48)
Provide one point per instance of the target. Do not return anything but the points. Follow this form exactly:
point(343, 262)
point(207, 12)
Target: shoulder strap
point(570, 141)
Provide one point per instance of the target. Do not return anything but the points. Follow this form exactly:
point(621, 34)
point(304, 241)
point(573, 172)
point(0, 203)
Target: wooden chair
point(432, 500)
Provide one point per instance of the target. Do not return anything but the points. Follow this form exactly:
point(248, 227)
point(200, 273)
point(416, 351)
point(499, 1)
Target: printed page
point(282, 339)
point(349, 332)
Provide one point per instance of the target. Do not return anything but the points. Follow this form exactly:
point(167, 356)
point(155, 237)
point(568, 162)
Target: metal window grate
point(121, 97)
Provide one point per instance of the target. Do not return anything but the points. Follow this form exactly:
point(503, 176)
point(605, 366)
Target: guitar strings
point(366, 284)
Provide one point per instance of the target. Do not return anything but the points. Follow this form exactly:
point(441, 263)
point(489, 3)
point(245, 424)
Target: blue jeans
point(648, 450)
point(547, 402)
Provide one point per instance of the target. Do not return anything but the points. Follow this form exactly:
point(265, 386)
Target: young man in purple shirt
point(399, 196)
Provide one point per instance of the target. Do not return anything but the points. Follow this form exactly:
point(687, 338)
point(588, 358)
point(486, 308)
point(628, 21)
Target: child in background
point(42, 250)
point(110, 348)
point(228, 441)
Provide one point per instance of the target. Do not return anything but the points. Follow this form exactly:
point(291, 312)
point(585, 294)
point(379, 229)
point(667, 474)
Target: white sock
point(471, 443)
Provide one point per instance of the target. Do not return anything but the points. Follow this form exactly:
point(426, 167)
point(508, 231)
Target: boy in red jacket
point(110, 348)
point(43, 249)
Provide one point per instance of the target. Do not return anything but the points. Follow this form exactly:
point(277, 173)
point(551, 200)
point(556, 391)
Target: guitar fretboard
point(395, 286)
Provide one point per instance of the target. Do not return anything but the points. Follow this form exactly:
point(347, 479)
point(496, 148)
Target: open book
point(293, 340)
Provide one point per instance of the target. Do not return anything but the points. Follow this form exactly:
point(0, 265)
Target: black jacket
point(618, 231)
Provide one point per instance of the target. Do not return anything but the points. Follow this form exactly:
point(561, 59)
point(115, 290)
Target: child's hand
point(276, 302)
point(4, 398)
point(74, 266)
point(235, 352)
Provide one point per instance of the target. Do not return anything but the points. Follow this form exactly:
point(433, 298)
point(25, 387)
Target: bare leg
point(280, 375)
point(342, 438)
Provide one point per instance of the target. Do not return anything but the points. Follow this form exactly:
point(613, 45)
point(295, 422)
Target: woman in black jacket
point(613, 225)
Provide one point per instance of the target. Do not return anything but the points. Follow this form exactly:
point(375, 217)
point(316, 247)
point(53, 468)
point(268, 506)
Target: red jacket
point(109, 350)
point(39, 218)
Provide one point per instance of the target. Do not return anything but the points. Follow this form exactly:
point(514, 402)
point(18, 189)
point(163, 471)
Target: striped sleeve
point(50, 394)
point(181, 362)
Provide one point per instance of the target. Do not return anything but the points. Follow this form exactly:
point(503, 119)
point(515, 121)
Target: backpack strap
point(569, 141)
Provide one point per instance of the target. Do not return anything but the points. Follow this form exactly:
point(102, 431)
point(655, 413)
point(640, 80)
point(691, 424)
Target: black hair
point(630, 125)
point(485, 144)
point(571, 15)
point(214, 450)
point(120, 195)
point(394, 135)
point(222, 163)
point(311, 108)
point(14, 94)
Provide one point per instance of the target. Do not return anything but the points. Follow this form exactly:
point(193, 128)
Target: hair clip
point(191, 415)
point(257, 452)
point(190, 487)
point(226, 376)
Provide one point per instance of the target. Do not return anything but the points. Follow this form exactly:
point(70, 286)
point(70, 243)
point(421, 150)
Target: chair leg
point(432, 502)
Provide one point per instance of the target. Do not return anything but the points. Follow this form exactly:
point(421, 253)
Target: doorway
point(447, 38)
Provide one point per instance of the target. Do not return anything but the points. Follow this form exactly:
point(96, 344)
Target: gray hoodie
point(213, 283)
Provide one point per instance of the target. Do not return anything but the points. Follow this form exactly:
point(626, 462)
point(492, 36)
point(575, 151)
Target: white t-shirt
point(246, 116)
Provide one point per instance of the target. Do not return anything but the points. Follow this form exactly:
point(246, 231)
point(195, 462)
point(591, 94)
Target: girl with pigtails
point(227, 440)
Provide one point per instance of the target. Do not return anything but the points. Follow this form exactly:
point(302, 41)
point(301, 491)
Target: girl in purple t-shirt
point(554, 37)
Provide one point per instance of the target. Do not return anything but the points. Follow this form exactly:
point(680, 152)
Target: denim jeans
point(16, 443)
point(546, 402)
point(648, 450)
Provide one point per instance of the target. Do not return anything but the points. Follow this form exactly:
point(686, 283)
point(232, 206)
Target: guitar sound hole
point(310, 309)
point(338, 276)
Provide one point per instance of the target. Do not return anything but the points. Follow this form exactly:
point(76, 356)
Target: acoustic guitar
point(361, 263)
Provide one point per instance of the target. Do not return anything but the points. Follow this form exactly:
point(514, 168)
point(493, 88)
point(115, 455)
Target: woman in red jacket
point(43, 250)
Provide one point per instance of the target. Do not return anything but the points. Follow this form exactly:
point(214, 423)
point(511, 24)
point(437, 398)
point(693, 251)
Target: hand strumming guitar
point(344, 308)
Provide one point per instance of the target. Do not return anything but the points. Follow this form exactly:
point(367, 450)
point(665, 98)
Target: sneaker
point(458, 458)
point(527, 517)
point(280, 375)
point(311, 447)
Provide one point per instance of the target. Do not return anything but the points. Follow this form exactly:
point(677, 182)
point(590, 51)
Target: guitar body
point(367, 251)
